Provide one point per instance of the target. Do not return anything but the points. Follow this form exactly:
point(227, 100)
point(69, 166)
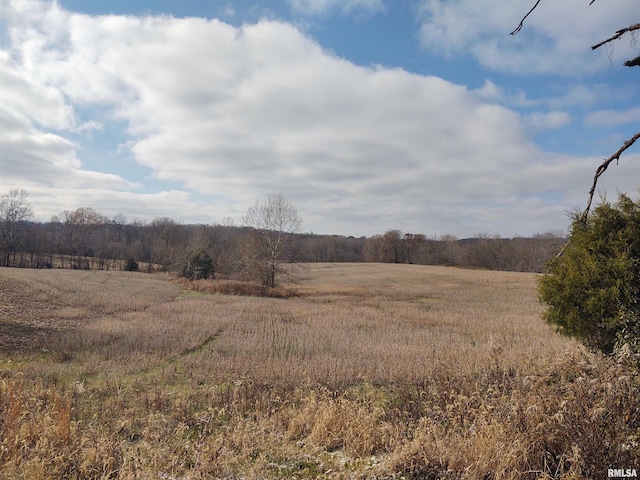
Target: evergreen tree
point(591, 289)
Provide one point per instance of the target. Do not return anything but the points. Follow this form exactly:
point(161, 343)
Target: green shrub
point(197, 265)
point(591, 290)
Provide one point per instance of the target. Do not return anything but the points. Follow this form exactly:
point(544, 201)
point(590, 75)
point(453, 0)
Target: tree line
point(86, 239)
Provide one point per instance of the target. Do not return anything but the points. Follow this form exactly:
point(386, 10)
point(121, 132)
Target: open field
point(372, 371)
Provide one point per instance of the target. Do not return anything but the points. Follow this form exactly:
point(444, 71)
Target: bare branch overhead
point(618, 34)
point(602, 168)
point(519, 27)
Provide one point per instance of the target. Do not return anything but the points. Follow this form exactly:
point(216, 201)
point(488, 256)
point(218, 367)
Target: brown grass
point(385, 371)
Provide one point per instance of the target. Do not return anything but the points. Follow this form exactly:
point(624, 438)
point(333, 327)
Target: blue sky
point(420, 115)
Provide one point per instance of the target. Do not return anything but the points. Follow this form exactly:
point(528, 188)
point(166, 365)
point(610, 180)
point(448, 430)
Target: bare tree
point(372, 249)
point(273, 220)
point(166, 238)
point(414, 242)
point(78, 227)
point(14, 209)
point(634, 62)
point(393, 249)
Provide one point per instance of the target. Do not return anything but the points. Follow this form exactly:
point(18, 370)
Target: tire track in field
point(202, 345)
point(176, 359)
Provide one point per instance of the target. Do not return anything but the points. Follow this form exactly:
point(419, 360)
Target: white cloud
point(550, 120)
point(89, 126)
point(320, 7)
point(233, 113)
point(613, 117)
point(490, 91)
point(39, 102)
point(31, 157)
point(556, 37)
point(175, 204)
point(228, 11)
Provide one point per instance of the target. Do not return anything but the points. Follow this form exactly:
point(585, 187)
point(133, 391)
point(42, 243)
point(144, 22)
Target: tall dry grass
point(386, 371)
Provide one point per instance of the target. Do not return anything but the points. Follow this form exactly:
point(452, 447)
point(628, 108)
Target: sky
point(424, 116)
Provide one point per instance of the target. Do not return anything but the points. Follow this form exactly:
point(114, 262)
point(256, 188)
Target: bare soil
point(27, 322)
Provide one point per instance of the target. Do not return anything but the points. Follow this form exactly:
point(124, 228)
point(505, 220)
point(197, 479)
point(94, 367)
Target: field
point(370, 371)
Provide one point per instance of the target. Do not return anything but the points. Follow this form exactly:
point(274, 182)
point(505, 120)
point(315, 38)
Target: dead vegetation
point(234, 287)
point(371, 371)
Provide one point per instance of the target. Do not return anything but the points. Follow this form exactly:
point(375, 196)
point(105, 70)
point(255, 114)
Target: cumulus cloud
point(555, 39)
point(231, 113)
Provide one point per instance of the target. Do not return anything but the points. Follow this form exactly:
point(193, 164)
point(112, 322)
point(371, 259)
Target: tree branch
point(519, 27)
point(634, 62)
point(602, 168)
point(599, 172)
point(618, 34)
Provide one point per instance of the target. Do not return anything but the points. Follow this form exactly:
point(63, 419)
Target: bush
point(197, 265)
point(591, 290)
point(131, 265)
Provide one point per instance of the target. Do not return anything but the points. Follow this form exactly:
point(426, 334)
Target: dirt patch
point(27, 320)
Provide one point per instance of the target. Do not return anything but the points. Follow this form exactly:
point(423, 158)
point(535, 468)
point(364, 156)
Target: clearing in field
point(372, 370)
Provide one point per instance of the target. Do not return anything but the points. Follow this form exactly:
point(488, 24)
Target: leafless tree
point(393, 248)
point(372, 249)
point(165, 248)
point(273, 220)
point(14, 208)
point(414, 243)
point(78, 226)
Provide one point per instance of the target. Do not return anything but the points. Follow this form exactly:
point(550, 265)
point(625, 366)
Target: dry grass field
point(370, 371)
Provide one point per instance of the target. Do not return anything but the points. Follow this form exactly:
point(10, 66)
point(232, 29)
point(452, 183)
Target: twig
point(519, 27)
point(602, 168)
